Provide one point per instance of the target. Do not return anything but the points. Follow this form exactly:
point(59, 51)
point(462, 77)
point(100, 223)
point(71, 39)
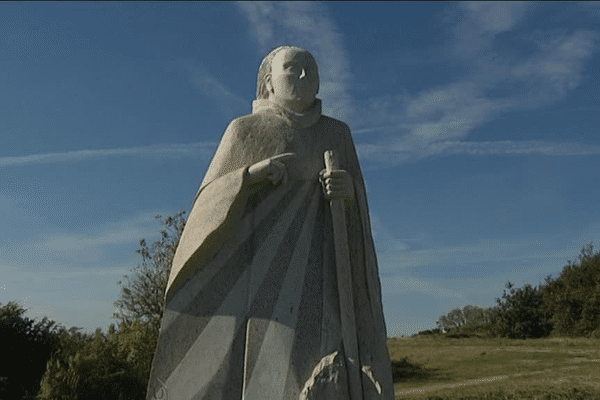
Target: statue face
point(294, 80)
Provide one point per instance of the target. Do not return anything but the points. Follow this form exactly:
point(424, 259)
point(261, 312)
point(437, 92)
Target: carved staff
point(344, 278)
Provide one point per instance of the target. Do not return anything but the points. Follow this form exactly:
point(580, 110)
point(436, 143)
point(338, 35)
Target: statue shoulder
point(336, 124)
point(242, 126)
point(242, 123)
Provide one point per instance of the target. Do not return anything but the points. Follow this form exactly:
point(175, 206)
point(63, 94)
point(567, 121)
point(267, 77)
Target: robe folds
point(252, 304)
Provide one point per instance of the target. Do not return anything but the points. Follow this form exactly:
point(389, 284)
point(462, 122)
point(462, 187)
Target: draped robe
point(252, 304)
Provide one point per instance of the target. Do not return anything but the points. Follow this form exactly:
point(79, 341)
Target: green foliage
point(520, 314)
point(469, 319)
point(108, 365)
point(566, 305)
point(142, 294)
point(31, 343)
point(573, 298)
point(404, 370)
point(116, 364)
point(60, 375)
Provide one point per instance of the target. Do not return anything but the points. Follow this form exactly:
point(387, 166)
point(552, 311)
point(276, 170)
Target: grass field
point(439, 367)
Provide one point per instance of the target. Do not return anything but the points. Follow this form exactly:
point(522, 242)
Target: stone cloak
point(252, 308)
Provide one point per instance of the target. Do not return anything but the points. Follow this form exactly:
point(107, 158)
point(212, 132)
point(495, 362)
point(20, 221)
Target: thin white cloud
point(435, 121)
point(394, 154)
point(557, 68)
point(523, 148)
point(78, 250)
point(494, 16)
point(407, 284)
point(69, 295)
point(73, 277)
point(474, 25)
point(306, 24)
point(395, 255)
point(260, 15)
point(384, 239)
point(231, 104)
point(90, 244)
point(205, 149)
point(542, 250)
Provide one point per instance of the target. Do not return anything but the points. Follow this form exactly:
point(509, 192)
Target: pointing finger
point(284, 158)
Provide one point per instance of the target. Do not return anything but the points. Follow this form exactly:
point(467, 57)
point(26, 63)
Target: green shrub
point(470, 320)
point(103, 365)
point(573, 298)
point(521, 314)
point(33, 343)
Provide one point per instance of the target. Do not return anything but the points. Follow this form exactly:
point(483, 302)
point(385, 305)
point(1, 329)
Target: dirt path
point(580, 356)
point(469, 382)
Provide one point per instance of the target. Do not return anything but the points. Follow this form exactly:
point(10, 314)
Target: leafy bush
point(406, 370)
point(521, 314)
point(573, 298)
point(142, 293)
point(103, 365)
point(566, 305)
point(116, 365)
point(32, 342)
point(469, 320)
point(429, 332)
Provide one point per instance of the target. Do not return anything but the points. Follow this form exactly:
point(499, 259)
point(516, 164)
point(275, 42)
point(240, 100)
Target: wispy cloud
point(495, 17)
point(407, 284)
point(542, 251)
point(204, 149)
point(435, 121)
point(403, 257)
point(77, 251)
point(485, 18)
point(231, 104)
point(306, 24)
point(391, 154)
point(71, 296)
point(384, 239)
point(72, 277)
point(511, 147)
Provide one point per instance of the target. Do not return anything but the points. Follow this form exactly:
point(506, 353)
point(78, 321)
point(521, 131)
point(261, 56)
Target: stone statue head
point(288, 75)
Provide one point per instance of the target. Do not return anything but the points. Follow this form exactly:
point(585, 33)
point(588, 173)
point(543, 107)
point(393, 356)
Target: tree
point(108, 365)
point(116, 364)
point(521, 313)
point(142, 294)
point(58, 380)
point(31, 343)
point(469, 318)
point(454, 319)
point(573, 298)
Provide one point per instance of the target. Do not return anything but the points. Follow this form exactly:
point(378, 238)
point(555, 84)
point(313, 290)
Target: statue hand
point(336, 184)
point(273, 169)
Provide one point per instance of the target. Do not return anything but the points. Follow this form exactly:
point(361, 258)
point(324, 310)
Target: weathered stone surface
point(252, 303)
point(329, 380)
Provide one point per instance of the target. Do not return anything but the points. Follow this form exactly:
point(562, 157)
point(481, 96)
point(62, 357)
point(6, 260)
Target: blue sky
point(476, 125)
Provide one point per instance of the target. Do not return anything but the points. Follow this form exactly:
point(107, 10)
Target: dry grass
point(438, 367)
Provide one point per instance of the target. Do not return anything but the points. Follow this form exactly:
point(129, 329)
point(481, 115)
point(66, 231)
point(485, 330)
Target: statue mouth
point(301, 92)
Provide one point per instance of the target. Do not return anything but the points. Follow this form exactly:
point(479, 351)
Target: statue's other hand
point(273, 169)
point(337, 184)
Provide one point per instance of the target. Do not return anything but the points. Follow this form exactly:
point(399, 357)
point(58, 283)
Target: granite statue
point(263, 300)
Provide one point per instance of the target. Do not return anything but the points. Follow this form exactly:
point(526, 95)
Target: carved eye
point(290, 67)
